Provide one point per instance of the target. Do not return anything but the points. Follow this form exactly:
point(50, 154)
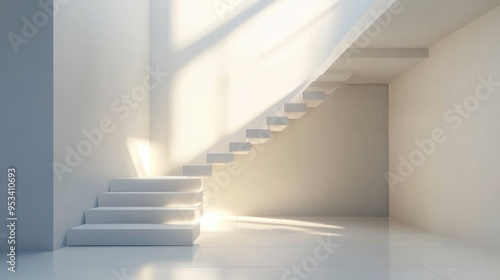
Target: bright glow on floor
point(262, 248)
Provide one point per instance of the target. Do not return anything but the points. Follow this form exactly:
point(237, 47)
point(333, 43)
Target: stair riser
point(156, 185)
point(313, 95)
point(240, 148)
point(314, 98)
point(150, 200)
point(258, 136)
point(277, 123)
point(258, 133)
point(220, 158)
point(295, 110)
point(140, 216)
point(197, 171)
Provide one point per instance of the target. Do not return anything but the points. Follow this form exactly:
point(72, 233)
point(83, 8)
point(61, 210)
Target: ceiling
point(422, 23)
point(419, 25)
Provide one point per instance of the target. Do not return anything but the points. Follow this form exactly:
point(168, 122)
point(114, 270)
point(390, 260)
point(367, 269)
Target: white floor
point(245, 248)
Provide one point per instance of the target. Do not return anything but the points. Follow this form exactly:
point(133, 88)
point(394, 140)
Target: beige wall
point(455, 190)
point(329, 162)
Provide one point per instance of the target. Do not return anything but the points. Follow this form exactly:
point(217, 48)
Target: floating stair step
point(141, 215)
point(156, 184)
point(133, 234)
point(258, 136)
point(335, 76)
point(295, 110)
point(313, 98)
point(277, 123)
point(223, 158)
point(327, 86)
point(150, 199)
point(197, 170)
point(240, 147)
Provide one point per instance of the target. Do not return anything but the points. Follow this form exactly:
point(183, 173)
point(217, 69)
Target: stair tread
point(156, 193)
point(156, 184)
point(155, 178)
point(144, 208)
point(137, 226)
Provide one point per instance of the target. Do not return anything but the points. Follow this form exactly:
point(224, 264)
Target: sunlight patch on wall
point(139, 150)
point(266, 55)
point(199, 107)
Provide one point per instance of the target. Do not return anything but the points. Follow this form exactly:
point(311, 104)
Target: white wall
point(232, 67)
point(101, 53)
point(329, 162)
point(455, 190)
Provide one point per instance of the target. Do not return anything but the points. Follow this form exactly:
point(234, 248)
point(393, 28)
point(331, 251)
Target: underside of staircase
point(167, 210)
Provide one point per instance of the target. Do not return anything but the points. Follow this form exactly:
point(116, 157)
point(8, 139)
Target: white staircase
point(167, 210)
point(144, 211)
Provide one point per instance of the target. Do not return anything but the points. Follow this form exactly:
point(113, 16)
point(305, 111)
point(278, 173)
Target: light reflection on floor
point(246, 248)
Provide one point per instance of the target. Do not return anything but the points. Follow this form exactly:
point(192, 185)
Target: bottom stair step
point(133, 234)
point(142, 215)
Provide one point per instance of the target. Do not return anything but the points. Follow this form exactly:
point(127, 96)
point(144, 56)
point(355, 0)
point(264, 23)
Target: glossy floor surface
point(247, 248)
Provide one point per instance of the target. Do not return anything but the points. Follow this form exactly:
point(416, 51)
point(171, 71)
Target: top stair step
point(156, 184)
